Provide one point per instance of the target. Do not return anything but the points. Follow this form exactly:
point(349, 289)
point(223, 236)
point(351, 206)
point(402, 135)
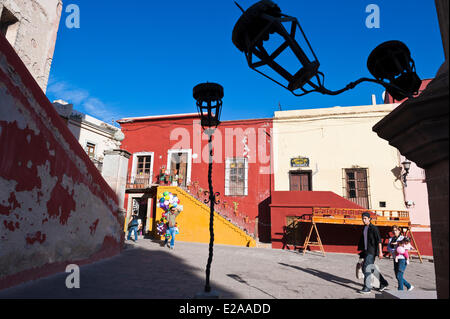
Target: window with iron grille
point(356, 186)
point(236, 176)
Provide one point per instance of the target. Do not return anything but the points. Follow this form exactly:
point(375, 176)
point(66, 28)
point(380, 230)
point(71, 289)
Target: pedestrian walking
point(398, 246)
point(133, 227)
point(172, 230)
point(370, 246)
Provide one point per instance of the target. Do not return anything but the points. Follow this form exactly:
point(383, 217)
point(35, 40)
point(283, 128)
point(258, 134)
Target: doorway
point(141, 206)
point(300, 181)
point(142, 214)
point(179, 166)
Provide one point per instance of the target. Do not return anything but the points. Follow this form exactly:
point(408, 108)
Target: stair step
point(223, 216)
point(238, 235)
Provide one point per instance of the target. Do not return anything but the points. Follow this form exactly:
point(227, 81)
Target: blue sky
point(139, 58)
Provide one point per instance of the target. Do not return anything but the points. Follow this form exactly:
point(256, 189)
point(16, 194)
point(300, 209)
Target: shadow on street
point(136, 273)
point(327, 276)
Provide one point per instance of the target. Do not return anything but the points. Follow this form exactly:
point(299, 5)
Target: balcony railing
point(353, 216)
point(139, 181)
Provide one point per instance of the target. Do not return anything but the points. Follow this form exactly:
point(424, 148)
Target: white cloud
point(82, 101)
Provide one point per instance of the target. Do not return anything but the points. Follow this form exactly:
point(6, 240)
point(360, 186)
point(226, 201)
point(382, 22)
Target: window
point(356, 186)
point(90, 149)
point(236, 176)
point(9, 25)
point(141, 170)
point(144, 165)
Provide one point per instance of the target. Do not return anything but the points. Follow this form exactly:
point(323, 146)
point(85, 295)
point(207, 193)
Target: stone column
point(419, 128)
point(114, 171)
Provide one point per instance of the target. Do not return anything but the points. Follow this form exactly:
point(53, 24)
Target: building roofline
point(248, 120)
point(336, 110)
point(158, 117)
point(181, 116)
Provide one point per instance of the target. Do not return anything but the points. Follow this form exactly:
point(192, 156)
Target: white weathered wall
point(115, 170)
point(55, 207)
point(36, 34)
point(85, 132)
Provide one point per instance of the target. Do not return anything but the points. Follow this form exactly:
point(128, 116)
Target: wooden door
point(179, 164)
point(300, 181)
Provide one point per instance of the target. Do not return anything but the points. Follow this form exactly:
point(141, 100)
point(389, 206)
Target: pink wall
point(417, 192)
point(55, 208)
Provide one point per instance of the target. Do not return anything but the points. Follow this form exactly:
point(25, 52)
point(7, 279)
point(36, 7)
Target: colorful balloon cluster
point(161, 228)
point(167, 200)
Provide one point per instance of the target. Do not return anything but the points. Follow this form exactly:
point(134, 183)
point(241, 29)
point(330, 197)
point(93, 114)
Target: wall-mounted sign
point(300, 162)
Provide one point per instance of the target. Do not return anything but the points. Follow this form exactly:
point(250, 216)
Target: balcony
point(141, 181)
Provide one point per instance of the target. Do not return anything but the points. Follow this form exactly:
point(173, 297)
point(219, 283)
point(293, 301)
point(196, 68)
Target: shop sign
point(300, 162)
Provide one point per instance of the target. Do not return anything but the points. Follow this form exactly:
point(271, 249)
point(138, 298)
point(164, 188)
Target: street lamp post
point(209, 105)
point(390, 63)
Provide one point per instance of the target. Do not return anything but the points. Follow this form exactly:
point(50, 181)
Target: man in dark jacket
point(370, 246)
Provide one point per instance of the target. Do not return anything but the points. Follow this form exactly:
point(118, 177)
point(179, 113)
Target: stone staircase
point(227, 211)
point(194, 222)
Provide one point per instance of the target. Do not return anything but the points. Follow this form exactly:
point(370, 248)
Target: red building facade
point(173, 150)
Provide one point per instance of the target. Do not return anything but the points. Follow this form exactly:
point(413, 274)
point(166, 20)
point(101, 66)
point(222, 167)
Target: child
point(402, 260)
point(402, 250)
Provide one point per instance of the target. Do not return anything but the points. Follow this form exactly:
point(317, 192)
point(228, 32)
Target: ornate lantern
point(253, 31)
point(209, 103)
point(256, 26)
point(406, 166)
point(392, 61)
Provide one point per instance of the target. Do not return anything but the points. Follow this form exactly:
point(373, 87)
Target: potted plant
point(236, 204)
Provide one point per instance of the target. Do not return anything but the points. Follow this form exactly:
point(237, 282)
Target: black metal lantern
point(256, 25)
point(392, 61)
point(389, 61)
point(209, 103)
point(406, 166)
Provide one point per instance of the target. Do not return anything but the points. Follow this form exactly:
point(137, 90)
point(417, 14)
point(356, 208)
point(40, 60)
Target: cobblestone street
point(147, 270)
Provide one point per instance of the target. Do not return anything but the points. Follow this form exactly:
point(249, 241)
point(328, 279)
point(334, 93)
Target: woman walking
point(397, 244)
